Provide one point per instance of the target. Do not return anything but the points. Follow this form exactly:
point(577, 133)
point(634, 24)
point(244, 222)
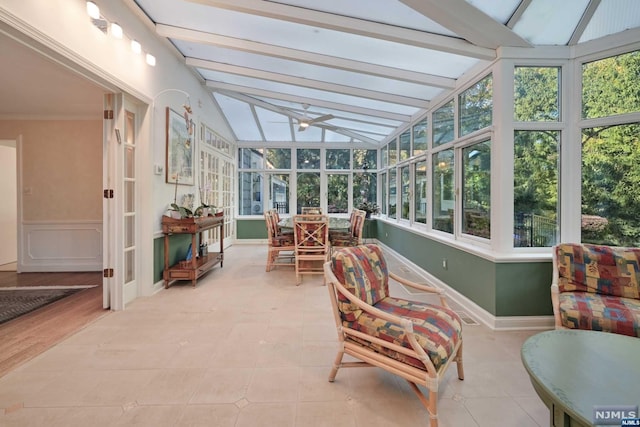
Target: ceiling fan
point(305, 121)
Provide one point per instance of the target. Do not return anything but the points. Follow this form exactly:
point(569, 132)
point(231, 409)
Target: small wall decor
point(180, 148)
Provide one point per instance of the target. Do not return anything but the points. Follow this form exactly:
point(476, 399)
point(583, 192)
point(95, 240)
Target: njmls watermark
point(617, 415)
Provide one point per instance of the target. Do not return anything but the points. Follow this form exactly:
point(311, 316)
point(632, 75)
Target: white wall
point(8, 207)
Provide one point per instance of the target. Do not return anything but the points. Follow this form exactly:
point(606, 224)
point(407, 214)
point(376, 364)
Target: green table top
point(335, 223)
point(579, 369)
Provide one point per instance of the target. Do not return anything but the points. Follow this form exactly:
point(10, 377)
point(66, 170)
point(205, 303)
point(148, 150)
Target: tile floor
point(247, 348)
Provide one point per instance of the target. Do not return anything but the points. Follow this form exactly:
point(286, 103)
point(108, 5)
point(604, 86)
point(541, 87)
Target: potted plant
point(369, 208)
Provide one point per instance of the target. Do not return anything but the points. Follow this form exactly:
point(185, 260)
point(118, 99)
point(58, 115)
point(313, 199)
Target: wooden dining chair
point(281, 247)
point(312, 247)
point(306, 210)
point(354, 236)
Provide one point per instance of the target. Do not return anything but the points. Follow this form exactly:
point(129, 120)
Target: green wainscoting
point(502, 288)
point(251, 229)
point(178, 248)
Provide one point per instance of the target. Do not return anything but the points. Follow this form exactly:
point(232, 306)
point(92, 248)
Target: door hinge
point(108, 114)
point(108, 194)
point(107, 272)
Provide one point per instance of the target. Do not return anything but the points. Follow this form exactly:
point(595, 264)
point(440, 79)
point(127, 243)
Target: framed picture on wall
point(180, 148)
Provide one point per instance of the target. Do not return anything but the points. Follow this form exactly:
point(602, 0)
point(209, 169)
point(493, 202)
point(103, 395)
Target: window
point(476, 189)
point(610, 182)
point(364, 188)
point(392, 193)
point(278, 158)
point(443, 191)
point(420, 138)
point(308, 189)
point(250, 158)
point(384, 156)
point(535, 188)
point(610, 86)
point(308, 159)
point(420, 191)
point(383, 185)
point(405, 191)
point(365, 159)
point(476, 105)
point(250, 199)
point(338, 159)
point(393, 152)
point(443, 124)
point(536, 94)
point(405, 145)
point(279, 192)
point(337, 193)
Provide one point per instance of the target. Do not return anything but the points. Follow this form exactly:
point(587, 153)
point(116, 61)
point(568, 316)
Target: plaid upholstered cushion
point(606, 270)
point(363, 271)
point(586, 310)
point(438, 330)
point(283, 240)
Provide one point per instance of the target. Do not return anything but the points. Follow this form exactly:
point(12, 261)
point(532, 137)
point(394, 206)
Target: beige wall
point(62, 168)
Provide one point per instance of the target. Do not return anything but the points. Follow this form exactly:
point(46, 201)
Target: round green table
point(575, 371)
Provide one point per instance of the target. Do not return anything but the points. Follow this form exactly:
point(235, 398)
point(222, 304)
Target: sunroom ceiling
point(373, 66)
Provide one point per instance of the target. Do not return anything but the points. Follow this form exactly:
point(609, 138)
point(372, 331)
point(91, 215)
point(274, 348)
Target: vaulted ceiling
point(358, 70)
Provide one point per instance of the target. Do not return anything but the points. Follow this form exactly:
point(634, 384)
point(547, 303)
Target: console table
point(574, 371)
point(197, 266)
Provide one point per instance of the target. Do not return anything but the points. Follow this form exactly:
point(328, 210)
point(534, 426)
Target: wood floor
point(29, 335)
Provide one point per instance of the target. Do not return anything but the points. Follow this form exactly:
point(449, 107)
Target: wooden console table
point(197, 266)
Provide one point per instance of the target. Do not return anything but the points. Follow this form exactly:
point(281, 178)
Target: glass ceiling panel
point(307, 71)
point(240, 117)
point(612, 16)
point(276, 127)
point(550, 22)
point(385, 11)
point(331, 136)
point(500, 10)
point(311, 134)
point(381, 131)
point(338, 113)
point(305, 92)
point(307, 38)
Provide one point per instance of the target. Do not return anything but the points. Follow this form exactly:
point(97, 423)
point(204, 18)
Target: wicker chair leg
point(459, 366)
point(336, 365)
point(430, 404)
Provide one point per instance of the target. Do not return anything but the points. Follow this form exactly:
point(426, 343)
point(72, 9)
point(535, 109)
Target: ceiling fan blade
point(321, 118)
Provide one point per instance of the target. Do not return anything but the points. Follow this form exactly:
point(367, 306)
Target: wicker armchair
point(414, 340)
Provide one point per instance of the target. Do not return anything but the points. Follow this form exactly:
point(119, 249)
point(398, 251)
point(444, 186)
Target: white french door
point(120, 224)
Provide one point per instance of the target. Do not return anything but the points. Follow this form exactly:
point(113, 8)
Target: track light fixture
point(104, 25)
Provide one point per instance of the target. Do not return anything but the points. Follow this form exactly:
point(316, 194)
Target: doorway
point(9, 206)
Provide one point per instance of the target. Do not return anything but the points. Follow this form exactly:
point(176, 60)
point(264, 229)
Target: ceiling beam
point(456, 16)
point(584, 21)
point(226, 87)
point(308, 83)
point(304, 56)
point(347, 24)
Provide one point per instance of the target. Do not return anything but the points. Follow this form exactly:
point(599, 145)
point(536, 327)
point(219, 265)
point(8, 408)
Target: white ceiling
point(374, 65)
point(34, 86)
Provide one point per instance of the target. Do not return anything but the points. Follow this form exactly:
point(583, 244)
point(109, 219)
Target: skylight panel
point(612, 16)
point(550, 22)
point(276, 127)
point(500, 10)
point(240, 117)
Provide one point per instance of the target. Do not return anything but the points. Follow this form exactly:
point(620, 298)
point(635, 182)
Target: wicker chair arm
point(430, 289)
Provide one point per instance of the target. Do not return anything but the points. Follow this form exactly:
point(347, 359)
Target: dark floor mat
point(16, 302)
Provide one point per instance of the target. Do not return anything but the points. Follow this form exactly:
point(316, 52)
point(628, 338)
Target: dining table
point(335, 223)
